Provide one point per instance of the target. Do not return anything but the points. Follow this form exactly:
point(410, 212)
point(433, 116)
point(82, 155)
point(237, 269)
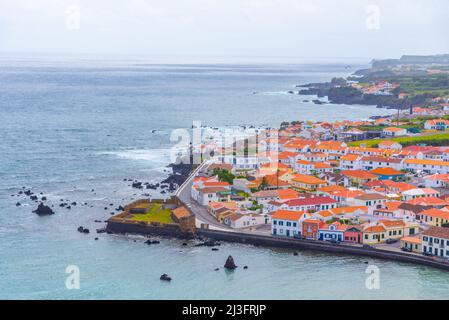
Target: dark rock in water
point(208, 243)
point(137, 185)
point(21, 192)
point(120, 208)
point(230, 265)
point(105, 208)
point(103, 230)
point(152, 242)
point(62, 205)
point(68, 207)
point(184, 243)
point(295, 253)
point(43, 210)
point(96, 239)
point(83, 230)
point(214, 249)
point(34, 198)
point(245, 267)
point(44, 198)
point(216, 269)
point(28, 193)
point(73, 203)
point(165, 277)
point(18, 204)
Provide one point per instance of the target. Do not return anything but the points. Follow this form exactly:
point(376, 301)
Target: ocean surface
point(76, 129)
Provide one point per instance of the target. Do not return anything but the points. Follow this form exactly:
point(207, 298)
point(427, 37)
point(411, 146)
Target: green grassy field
point(438, 139)
point(155, 214)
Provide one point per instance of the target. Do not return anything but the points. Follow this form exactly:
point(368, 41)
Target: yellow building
point(434, 217)
point(307, 183)
point(374, 234)
point(412, 243)
point(389, 229)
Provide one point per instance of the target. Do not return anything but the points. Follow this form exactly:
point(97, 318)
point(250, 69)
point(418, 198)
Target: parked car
point(427, 254)
point(406, 249)
point(391, 241)
point(367, 246)
point(333, 241)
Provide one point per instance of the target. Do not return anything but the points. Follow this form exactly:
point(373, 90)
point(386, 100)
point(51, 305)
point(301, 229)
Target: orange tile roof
point(181, 212)
point(387, 172)
point(303, 178)
point(427, 162)
point(287, 215)
point(392, 223)
point(287, 194)
point(374, 229)
point(350, 157)
point(322, 165)
point(329, 189)
point(387, 143)
point(344, 210)
point(436, 213)
point(414, 240)
point(428, 201)
point(393, 129)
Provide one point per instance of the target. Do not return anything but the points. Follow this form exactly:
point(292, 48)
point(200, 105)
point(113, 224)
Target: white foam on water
point(158, 156)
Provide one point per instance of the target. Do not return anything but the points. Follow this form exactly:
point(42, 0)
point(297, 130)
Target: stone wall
point(142, 228)
point(270, 241)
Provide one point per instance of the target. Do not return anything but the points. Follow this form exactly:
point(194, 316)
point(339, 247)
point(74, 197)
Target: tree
point(263, 184)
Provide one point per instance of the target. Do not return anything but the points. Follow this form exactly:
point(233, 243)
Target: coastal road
point(201, 214)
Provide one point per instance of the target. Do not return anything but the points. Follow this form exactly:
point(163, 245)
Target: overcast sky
point(268, 28)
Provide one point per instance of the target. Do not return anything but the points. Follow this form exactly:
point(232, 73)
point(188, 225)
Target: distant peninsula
point(411, 81)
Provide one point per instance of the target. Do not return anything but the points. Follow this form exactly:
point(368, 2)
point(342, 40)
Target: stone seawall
point(269, 241)
point(166, 230)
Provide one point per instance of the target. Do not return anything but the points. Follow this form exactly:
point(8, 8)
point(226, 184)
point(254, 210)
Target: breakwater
point(270, 241)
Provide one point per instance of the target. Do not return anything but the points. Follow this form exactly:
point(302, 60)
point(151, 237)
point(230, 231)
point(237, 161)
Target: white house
point(371, 200)
point(435, 241)
point(419, 193)
point(209, 194)
point(287, 223)
point(350, 162)
point(238, 220)
point(437, 124)
point(394, 132)
point(390, 145)
point(437, 181)
point(428, 166)
point(315, 203)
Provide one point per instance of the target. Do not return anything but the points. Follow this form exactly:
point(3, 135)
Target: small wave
point(153, 155)
point(274, 93)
